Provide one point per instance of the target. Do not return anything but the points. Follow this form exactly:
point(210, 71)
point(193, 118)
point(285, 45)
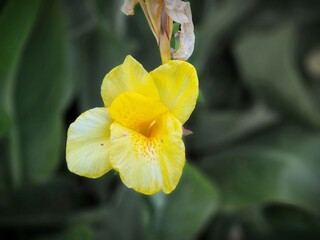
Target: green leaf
point(76, 232)
point(5, 122)
point(200, 97)
point(288, 220)
point(62, 203)
point(58, 196)
point(127, 216)
point(220, 21)
point(281, 166)
point(268, 66)
point(96, 54)
point(39, 95)
point(81, 17)
point(185, 212)
point(213, 130)
point(175, 41)
point(16, 21)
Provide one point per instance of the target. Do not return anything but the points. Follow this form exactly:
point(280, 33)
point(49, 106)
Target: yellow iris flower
point(138, 132)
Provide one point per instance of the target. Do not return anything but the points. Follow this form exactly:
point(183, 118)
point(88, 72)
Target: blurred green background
point(253, 161)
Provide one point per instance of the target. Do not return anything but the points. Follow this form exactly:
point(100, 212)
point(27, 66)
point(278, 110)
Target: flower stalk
point(160, 15)
point(165, 37)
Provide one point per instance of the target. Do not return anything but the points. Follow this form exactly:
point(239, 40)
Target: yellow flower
point(138, 132)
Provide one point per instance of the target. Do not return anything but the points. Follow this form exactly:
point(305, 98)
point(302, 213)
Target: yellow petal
point(177, 83)
point(136, 112)
point(88, 143)
point(149, 164)
point(128, 77)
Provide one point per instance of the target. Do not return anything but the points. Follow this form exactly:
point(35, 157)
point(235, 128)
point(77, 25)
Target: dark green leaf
point(16, 21)
point(62, 202)
point(58, 196)
point(5, 122)
point(127, 217)
point(282, 166)
point(267, 63)
point(221, 20)
point(81, 17)
point(39, 95)
point(214, 130)
point(289, 218)
point(96, 55)
point(76, 232)
point(185, 212)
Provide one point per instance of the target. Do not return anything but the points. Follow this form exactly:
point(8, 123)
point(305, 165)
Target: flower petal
point(128, 6)
point(176, 9)
point(135, 111)
point(88, 143)
point(149, 164)
point(180, 12)
point(128, 77)
point(177, 83)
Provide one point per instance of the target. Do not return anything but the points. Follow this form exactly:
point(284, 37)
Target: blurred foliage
point(253, 160)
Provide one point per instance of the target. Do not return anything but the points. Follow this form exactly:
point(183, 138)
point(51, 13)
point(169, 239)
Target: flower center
point(148, 129)
point(138, 113)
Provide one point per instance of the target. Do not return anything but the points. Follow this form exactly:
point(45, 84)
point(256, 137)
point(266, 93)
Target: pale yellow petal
point(180, 12)
point(88, 143)
point(177, 83)
point(128, 77)
point(135, 111)
point(128, 6)
point(149, 164)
